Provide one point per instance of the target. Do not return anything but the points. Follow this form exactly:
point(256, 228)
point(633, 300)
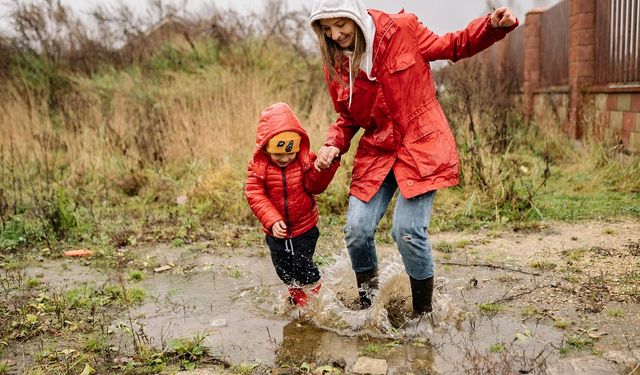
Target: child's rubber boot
point(315, 289)
point(298, 297)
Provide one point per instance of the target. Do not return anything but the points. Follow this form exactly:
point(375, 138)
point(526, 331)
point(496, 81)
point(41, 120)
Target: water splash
point(335, 307)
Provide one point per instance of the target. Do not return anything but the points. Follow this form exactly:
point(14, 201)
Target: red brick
point(629, 121)
point(635, 102)
point(583, 21)
point(583, 6)
point(584, 37)
point(612, 102)
point(586, 52)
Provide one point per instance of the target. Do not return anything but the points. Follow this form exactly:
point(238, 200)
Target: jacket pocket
point(362, 162)
point(431, 152)
point(402, 62)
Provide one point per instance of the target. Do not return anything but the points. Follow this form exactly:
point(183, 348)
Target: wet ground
point(551, 299)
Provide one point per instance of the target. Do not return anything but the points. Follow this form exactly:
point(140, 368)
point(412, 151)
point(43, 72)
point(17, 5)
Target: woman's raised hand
point(502, 17)
point(326, 154)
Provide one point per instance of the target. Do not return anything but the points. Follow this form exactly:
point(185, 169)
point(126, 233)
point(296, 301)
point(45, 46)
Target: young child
point(281, 181)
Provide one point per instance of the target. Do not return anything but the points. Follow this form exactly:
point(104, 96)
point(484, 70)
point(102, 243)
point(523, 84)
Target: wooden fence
point(554, 45)
point(618, 41)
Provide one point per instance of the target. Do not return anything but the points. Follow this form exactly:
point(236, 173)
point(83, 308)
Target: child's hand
point(279, 229)
point(326, 154)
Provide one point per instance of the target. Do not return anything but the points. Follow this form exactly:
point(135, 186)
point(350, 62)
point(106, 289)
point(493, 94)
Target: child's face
point(282, 160)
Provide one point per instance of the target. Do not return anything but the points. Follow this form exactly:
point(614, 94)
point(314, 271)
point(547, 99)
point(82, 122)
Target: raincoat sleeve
point(259, 202)
point(344, 129)
point(477, 36)
point(316, 182)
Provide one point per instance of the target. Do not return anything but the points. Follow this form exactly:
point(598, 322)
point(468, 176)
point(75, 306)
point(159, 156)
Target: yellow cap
point(284, 143)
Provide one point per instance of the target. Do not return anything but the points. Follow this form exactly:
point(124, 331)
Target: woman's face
point(341, 30)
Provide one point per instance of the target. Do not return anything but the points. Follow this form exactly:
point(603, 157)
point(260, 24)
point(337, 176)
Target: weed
point(323, 260)
point(33, 283)
point(561, 323)
point(490, 308)
point(243, 368)
point(234, 272)
point(461, 244)
point(97, 343)
point(379, 348)
point(579, 342)
point(542, 265)
point(497, 348)
point(444, 246)
point(529, 312)
point(576, 254)
point(136, 275)
point(616, 312)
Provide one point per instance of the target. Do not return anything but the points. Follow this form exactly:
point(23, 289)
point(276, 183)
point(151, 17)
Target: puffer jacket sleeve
point(259, 202)
point(315, 182)
point(344, 129)
point(477, 36)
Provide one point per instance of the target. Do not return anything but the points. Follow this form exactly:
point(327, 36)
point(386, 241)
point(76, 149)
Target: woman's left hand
point(502, 17)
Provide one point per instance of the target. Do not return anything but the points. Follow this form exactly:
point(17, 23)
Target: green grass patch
point(490, 308)
point(542, 265)
point(615, 312)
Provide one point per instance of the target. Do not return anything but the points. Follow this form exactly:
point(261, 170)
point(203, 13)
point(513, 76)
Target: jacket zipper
point(286, 201)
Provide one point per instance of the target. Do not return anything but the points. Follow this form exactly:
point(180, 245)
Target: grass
point(490, 308)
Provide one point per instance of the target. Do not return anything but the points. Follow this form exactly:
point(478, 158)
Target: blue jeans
point(410, 223)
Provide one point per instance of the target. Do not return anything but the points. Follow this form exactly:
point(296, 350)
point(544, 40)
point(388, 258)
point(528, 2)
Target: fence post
point(582, 48)
point(532, 25)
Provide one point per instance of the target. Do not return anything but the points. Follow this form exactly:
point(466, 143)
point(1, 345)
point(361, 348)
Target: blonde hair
point(332, 53)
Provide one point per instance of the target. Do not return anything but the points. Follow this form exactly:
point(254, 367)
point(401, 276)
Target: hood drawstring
point(350, 79)
point(288, 246)
point(351, 71)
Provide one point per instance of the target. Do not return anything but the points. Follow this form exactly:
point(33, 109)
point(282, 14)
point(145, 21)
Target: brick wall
point(618, 117)
point(614, 111)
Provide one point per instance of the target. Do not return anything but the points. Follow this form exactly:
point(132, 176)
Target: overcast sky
point(439, 15)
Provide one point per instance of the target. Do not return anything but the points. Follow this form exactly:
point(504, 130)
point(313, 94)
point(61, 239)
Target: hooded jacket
point(275, 193)
point(405, 129)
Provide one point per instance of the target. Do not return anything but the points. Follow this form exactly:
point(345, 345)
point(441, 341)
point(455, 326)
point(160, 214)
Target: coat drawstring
point(288, 246)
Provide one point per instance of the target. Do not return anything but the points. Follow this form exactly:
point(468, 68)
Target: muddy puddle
point(241, 306)
point(510, 319)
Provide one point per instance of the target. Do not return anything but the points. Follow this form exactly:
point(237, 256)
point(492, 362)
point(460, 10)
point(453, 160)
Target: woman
point(377, 72)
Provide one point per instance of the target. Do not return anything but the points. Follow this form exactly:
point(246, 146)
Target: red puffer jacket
point(404, 126)
point(276, 193)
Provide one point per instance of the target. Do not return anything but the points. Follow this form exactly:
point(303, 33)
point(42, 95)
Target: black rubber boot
point(367, 281)
point(422, 295)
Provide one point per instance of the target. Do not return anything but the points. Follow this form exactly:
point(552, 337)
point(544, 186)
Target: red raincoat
point(276, 193)
point(404, 126)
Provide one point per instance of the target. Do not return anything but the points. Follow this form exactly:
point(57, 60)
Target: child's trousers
point(293, 258)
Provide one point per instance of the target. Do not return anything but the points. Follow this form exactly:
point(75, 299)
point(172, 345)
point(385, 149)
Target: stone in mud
point(582, 366)
point(370, 366)
point(282, 371)
point(626, 360)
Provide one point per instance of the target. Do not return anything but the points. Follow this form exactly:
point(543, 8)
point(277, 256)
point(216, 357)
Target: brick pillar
point(532, 25)
point(582, 49)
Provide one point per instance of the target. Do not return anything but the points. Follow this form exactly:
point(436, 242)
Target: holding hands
point(326, 154)
point(502, 17)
